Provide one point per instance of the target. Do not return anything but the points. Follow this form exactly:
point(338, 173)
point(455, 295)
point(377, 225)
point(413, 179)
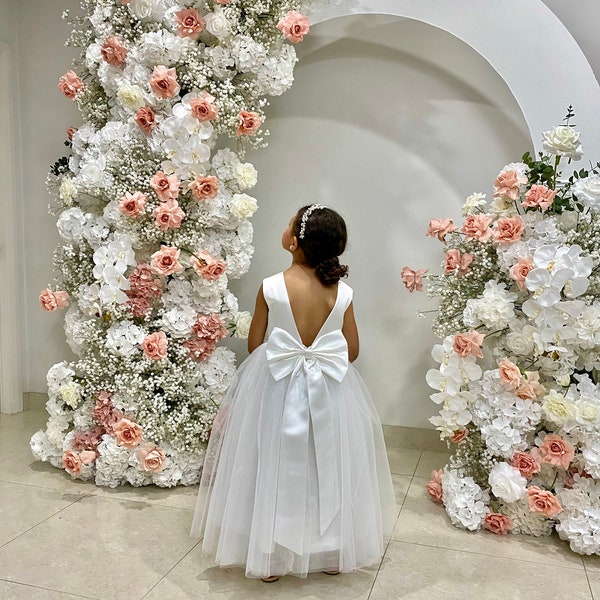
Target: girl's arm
point(258, 326)
point(350, 331)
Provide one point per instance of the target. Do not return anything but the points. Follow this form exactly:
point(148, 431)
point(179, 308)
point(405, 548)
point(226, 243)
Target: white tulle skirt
point(237, 509)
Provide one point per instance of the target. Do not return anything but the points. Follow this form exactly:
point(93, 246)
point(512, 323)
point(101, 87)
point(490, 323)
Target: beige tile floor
point(65, 540)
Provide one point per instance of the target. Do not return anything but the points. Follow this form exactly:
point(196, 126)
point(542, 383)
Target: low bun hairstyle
point(324, 240)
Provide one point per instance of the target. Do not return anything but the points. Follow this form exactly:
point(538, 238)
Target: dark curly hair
point(325, 238)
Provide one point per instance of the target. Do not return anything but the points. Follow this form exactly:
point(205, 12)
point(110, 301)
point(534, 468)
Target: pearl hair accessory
point(305, 216)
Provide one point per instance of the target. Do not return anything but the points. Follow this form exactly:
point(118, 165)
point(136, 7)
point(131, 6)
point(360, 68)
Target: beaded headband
point(305, 216)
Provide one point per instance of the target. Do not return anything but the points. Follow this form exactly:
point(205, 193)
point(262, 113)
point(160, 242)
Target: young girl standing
point(296, 477)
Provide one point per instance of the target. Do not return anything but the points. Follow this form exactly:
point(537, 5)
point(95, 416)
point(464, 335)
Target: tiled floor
point(62, 539)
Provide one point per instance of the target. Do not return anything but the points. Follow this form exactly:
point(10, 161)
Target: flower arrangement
point(152, 212)
point(519, 320)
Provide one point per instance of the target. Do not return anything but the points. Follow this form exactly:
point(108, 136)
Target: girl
point(296, 477)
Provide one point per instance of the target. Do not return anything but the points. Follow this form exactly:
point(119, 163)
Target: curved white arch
point(523, 41)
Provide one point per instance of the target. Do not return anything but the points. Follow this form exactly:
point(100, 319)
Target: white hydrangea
point(525, 521)
point(494, 308)
point(124, 338)
point(464, 500)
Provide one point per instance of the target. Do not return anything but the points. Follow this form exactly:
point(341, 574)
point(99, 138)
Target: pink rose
point(440, 228)
point(210, 327)
point(248, 122)
point(128, 433)
point(145, 118)
point(497, 523)
point(207, 266)
point(556, 451)
point(203, 108)
point(413, 280)
point(200, 348)
point(468, 343)
point(542, 501)
point(508, 229)
point(434, 486)
point(520, 270)
point(510, 374)
point(70, 85)
point(168, 215)
point(165, 186)
point(526, 391)
point(204, 187)
point(166, 261)
point(50, 300)
point(142, 282)
point(294, 26)
point(539, 196)
point(71, 462)
point(155, 346)
point(457, 263)
point(164, 82)
point(189, 23)
point(526, 464)
point(477, 227)
point(132, 205)
point(507, 185)
point(70, 132)
point(87, 457)
point(151, 457)
point(459, 436)
point(113, 51)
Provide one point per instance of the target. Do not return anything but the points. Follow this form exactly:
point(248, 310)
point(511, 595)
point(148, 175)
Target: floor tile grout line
point(190, 550)
point(521, 560)
point(39, 587)
point(587, 576)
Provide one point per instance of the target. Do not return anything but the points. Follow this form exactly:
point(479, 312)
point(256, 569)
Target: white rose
point(246, 175)
point(243, 206)
point(131, 96)
point(68, 190)
point(519, 343)
point(146, 9)
point(588, 412)
point(588, 191)
point(92, 173)
point(564, 141)
point(217, 24)
point(558, 408)
point(242, 325)
point(507, 482)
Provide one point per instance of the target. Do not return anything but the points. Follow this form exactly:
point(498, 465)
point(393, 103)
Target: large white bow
point(307, 406)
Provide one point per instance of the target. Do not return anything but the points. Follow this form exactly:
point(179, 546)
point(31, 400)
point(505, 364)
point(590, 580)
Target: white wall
point(389, 120)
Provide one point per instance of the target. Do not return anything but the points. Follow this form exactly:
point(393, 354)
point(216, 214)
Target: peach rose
point(294, 26)
point(542, 501)
point(459, 436)
point(207, 266)
point(189, 23)
point(165, 186)
point(151, 457)
point(145, 118)
point(132, 205)
point(507, 185)
point(204, 187)
point(510, 374)
point(155, 345)
point(526, 391)
point(113, 51)
point(440, 228)
point(526, 464)
point(168, 215)
point(508, 229)
point(413, 280)
point(70, 132)
point(520, 270)
point(128, 433)
point(164, 82)
point(434, 486)
point(203, 108)
point(248, 122)
point(166, 261)
point(539, 196)
point(71, 462)
point(468, 343)
point(457, 263)
point(70, 84)
point(497, 523)
point(87, 457)
point(477, 227)
point(556, 451)
point(50, 300)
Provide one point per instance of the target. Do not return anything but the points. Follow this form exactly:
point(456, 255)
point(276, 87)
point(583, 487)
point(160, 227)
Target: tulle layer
point(237, 511)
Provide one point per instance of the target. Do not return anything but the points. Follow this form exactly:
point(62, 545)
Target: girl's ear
point(294, 244)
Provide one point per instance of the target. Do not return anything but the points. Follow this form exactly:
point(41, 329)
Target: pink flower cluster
point(50, 300)
point(113, 51)
point(105, 413)
point(208, 331)
point(144, 288)
point(88, 439)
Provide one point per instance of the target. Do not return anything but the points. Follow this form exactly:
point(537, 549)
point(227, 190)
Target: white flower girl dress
point(296, 477)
